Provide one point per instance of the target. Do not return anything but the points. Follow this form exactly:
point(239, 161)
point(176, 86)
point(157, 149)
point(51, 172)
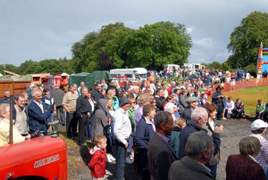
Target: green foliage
point(117, 46)
point(252, 69)
point(215, 65)
point(53, 66)
point(246, 38)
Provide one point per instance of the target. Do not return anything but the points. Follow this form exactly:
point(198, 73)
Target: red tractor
point(40, 158)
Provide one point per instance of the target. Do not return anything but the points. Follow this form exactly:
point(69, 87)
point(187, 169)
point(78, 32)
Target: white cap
point(258, 124)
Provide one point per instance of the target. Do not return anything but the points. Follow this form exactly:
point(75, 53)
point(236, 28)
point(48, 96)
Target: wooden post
point(11, 99)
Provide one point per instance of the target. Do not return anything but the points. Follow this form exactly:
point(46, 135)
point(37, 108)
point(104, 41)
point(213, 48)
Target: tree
point(246, 38)
point(157, 44)
point(96, 47)
point(116, 46)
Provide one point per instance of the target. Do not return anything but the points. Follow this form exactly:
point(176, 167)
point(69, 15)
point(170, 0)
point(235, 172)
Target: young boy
point(97, 164)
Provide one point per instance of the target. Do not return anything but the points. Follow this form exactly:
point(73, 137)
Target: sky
point(46, 29)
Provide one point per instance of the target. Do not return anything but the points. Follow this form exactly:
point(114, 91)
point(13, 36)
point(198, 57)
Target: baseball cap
point(258, 124)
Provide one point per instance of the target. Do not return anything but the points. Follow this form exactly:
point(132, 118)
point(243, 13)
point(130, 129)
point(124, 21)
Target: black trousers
point(83, 121)
point(71, 124)
point(141, 163)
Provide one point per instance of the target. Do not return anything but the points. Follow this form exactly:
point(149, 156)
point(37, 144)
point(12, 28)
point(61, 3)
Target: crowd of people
point(166, 129)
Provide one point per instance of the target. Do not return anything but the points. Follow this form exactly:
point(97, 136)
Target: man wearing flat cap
point(122, 132)
point(187, 112)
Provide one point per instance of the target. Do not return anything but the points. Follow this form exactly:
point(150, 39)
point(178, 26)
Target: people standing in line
point(20, 116)
point(259, 130)
point(160, 154)
point(57, 93)
point(198, 151)
point(244, 165)
point(84, 111)
point(38, 114)
point(97, 163)
point(69, 105)
point(144, 132)
point(122, 132)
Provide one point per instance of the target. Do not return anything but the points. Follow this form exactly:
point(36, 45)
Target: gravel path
point(234, 130)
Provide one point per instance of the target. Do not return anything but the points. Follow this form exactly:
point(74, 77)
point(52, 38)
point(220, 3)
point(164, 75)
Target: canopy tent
point(89, 78)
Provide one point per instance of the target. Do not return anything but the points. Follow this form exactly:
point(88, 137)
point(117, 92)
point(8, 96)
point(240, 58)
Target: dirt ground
point(233, 131)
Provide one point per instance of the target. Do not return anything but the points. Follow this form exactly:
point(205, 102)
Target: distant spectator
point(219, 100)
point(198, 150)
point(192, 105)
point(260, 107)
point(80, 88)
point(244, 165)
point(238, 111)
point(96, 92)
point(229, 108)
point(160, 154)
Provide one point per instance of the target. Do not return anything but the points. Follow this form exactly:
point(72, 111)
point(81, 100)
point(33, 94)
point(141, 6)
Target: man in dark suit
point(199, 118)
point(160, 154)
point(199, 150)
point(84, 109)
point(38, 114)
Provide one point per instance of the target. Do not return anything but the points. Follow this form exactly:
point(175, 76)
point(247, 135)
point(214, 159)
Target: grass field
point(249, 96)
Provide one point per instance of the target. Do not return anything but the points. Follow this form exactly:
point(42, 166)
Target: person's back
point(189, 169)
point(244, 168)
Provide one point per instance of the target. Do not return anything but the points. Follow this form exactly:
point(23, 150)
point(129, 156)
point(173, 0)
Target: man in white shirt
point(122, 131)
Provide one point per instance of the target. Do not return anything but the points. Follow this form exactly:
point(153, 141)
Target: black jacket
point(83, 106)
point(160, 158)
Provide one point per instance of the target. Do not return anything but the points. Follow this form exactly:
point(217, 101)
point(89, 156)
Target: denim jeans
point(120, 160)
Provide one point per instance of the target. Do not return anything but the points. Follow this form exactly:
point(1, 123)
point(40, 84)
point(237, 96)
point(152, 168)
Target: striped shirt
point(262, 157)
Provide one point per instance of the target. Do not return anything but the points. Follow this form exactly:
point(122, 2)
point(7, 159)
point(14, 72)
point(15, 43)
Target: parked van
point(132, 74)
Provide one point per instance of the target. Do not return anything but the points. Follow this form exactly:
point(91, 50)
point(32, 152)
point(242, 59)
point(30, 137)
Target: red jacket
point(97, 164)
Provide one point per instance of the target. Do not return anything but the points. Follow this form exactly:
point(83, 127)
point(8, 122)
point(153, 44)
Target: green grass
point(249, 96)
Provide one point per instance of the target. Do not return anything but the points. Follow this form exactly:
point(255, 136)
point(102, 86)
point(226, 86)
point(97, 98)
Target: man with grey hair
point(38, 114)
point(199, 118)
point(198, 150)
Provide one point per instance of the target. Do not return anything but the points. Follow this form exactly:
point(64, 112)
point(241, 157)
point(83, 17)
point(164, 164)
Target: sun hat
point(258, 124)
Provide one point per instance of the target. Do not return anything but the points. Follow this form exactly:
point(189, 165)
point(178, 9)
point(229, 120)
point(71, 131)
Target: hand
point(219, 129)
point(28, 137)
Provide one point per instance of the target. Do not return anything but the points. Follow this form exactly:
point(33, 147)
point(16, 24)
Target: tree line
point(151, 46)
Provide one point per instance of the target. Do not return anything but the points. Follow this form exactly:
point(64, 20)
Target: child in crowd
point(97, 164)
point(260, 107)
